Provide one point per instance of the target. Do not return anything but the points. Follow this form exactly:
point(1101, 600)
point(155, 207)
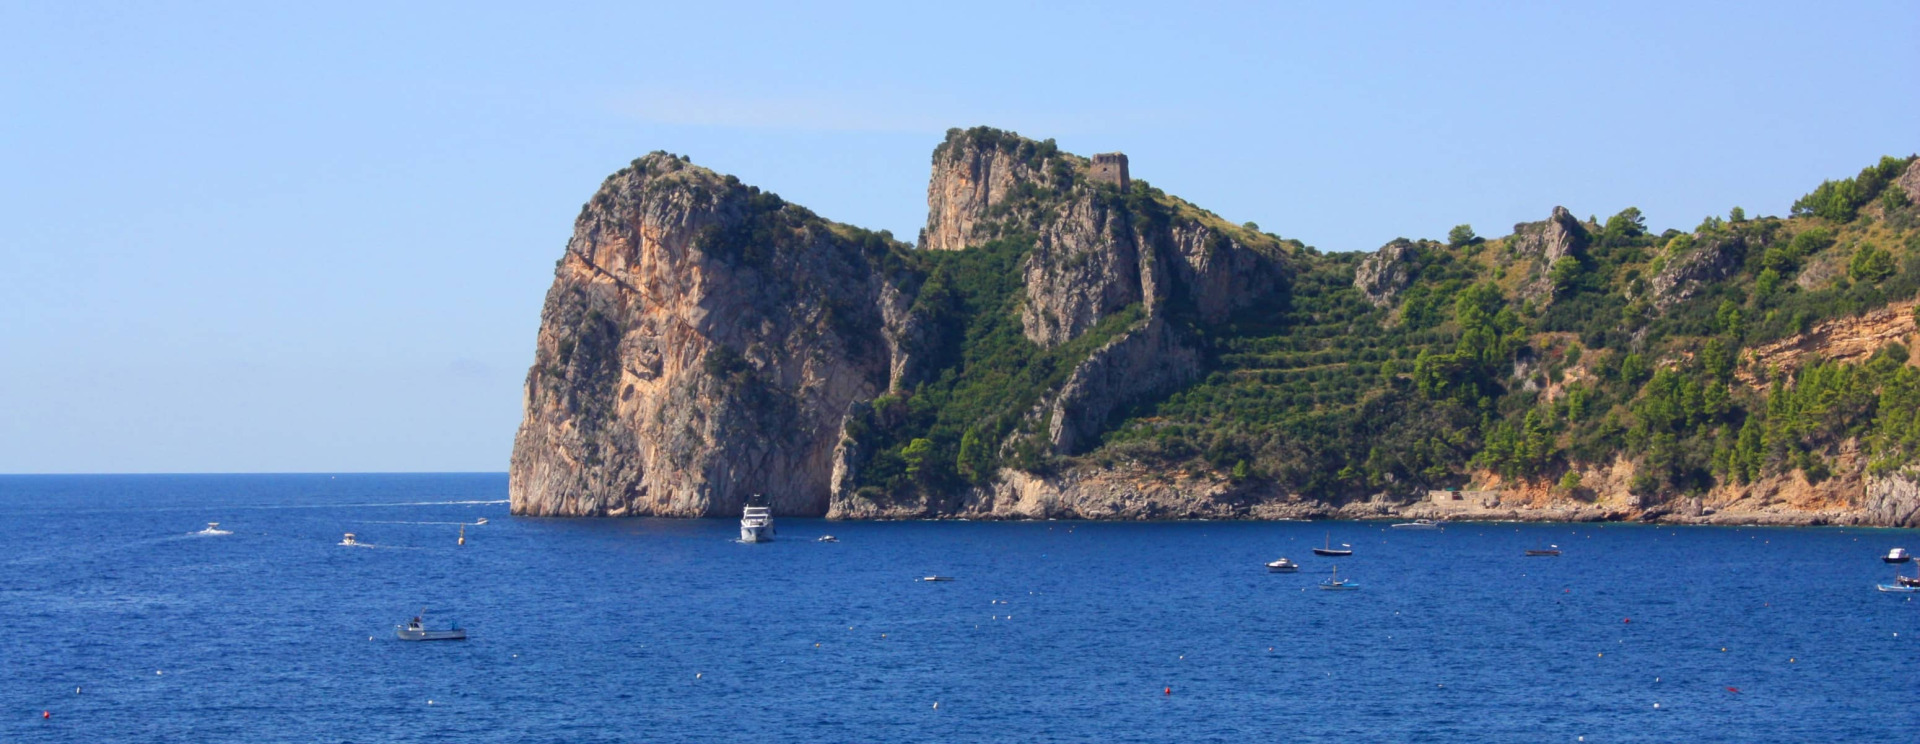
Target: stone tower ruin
point(1111, 167)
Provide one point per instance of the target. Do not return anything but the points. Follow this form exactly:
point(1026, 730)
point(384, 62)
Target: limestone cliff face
point(699, 345)
point(1547, 241)
point(1097, 248)
point(1384, 273)
point(1706, 259)
point(1909, 182)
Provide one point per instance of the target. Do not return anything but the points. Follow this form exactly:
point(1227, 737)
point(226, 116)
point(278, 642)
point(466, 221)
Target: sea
point(121, 622)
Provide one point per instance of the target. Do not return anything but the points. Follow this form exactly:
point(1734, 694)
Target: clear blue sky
point(251, 238)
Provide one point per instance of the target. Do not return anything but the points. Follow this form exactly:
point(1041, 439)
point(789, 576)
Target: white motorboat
point(1897, 555)
point(349, 541)
point(827, 538)
point(938, 578)
point(213, 528)
point(756, 524)
point(1283, 566)
point(416, 630)
point(1419, 524)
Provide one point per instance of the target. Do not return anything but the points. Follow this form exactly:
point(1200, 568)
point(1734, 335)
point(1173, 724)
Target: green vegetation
point(1324, 394)
point(986, 376)
point(1470, 369)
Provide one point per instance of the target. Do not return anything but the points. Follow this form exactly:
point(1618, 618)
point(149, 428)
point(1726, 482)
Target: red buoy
point(1733, 689)
point(46, 714)
point(1626, 619)
point(1168, 691)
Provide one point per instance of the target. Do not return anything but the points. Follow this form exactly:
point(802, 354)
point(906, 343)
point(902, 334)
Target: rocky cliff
point(1068, 341)
point(700, 343)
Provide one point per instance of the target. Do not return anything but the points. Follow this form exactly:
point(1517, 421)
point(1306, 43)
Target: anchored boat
point(1897, 555)
point(1337, 584)
point(1331, 551)
point(416, 630)
point(1283, 566)
point(1550, 550)
point(1419, 524)
point(213, 528)
point(756, 524)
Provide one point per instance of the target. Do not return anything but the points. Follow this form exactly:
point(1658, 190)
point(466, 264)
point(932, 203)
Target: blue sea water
point(669, 630)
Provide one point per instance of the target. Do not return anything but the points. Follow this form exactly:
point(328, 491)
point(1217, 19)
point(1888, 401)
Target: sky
point(279, 237)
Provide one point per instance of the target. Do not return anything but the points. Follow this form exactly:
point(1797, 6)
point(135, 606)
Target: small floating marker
point(816, 645)
point(76, 690)
point(1599, 655)
point(1723, 649)
point(46, 714)
point(1734, 690)
point(1656, 706)
point(1168, 691)
point(696, 675)
point(936, 705)
point(1626, 619)
point(158, 672)
point(1789, 660)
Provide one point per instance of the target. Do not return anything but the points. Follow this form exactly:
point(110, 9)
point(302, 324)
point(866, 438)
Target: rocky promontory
point(1068, 341)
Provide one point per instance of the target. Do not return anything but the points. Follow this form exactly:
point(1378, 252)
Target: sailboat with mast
point(1337, 584)
point(1330, 551)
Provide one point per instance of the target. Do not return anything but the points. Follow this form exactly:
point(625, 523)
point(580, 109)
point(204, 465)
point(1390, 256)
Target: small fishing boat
point(827, 538)
point(938, 578)
point(756, 524)
point(213, 528)
point(1897, 555)
point(1550, 550)
point(1419, 524)
point(1898, 588)
point(463, 535)
point(1283, 566)
point(349, 541)
point(1337, 584)
point(480, 521)
point(1907, 580)
point(416, 630)
point(1331, 551)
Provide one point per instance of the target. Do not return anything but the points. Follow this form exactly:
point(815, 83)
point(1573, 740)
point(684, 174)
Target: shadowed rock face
point(699, 345)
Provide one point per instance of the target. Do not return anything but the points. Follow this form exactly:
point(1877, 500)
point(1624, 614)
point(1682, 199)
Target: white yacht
point(213, 528)
point(756, 524)
point(1283, 566)
point(1897, 555)
point(1419, 524)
